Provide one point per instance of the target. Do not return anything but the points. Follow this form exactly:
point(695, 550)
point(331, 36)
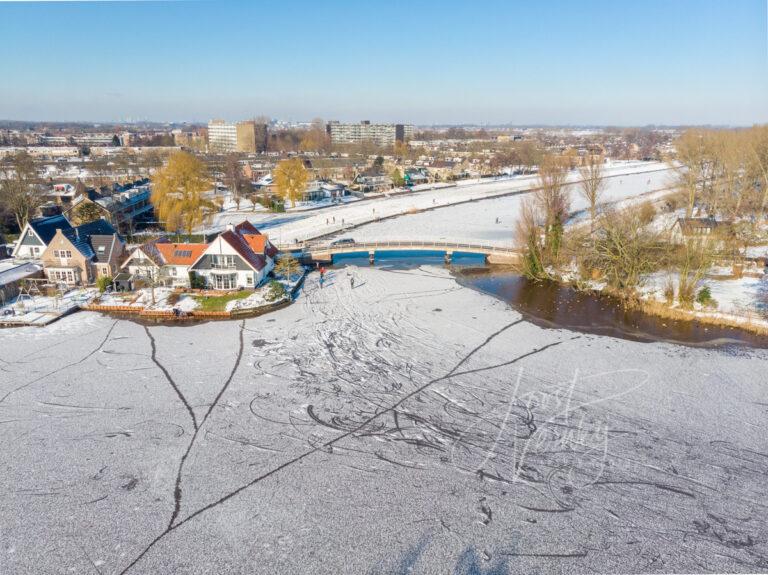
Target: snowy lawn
point(221, 302)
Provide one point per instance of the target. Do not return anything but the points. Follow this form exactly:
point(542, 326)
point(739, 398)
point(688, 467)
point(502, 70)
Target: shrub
point(647, 212)
point(103, 282)
point(173, 298)
point(196, 281)
point(275, 291)
point(704, 297)
point(669, 291)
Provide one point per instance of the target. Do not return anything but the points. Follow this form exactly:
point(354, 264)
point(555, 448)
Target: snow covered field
point(408, 425)
point(286, 227)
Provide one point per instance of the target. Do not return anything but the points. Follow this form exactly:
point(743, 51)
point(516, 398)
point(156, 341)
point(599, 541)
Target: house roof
point(150, 250)
point(104, 247)
point(80, 237)
point(241, 246)
point(257, 243)
point(45, 228)
point(695, 226)
point(180, 254)
point(246, 227)
point(11, 272)
point(97, 227)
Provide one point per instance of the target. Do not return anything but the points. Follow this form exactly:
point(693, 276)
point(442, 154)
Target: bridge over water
point(493, 254)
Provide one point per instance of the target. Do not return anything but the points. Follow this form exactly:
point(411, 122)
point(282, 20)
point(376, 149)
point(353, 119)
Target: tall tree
point(691, 155)
point(18, 193)
point(235, 179)
point(179, 193)
point(87, 212)
point(316, 138)
point(290, 179)
point(553, 200)
point(592, 184)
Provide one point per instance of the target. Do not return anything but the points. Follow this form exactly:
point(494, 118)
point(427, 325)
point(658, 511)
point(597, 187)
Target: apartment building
point(247, 137)
point(381, 134)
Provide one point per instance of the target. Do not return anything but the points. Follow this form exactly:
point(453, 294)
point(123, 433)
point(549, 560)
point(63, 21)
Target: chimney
point(230, 227)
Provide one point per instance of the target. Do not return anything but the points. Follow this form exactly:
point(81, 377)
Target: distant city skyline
point(553, 62)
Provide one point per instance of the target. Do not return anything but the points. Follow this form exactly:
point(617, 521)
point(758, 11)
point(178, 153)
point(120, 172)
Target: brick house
point(77, 256)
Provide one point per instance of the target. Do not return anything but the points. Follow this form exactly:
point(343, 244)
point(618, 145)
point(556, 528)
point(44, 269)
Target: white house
point(36, 236)
point(163, 262)
point(240, 257)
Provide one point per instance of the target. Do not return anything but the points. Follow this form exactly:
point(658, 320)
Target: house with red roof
point(239, 257)
point(163, 262)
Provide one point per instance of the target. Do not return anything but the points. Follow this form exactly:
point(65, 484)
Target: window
point(173, 271)
point(249, 280)
point(223, 262)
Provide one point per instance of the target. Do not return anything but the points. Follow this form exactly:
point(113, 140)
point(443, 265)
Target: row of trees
point(541, 225)
point(181, 189)
point(724, 172)
point(19, 193)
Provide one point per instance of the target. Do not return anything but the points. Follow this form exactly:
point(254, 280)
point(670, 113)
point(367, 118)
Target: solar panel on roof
point(183, 253)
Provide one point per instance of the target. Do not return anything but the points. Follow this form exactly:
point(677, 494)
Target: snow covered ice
point(408, 425)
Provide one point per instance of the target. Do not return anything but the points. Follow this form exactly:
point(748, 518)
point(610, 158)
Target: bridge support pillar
point(371, 257)
point(448, 258)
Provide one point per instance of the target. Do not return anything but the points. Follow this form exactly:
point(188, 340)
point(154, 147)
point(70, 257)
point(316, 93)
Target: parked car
point(343, 242)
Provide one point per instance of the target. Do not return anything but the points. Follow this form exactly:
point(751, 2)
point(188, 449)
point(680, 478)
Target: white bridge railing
point(410, 245)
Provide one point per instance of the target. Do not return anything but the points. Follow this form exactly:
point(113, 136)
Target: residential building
point(77, 256)
point(246, 137)
point(37, 234)
point(372, 183)
point(122, 206)
point(381, 134)
point(163, 262)
point(240, 257)
point(700, 230)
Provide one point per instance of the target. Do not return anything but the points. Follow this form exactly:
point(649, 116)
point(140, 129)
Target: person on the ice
point(352, 282)
point(322, 280)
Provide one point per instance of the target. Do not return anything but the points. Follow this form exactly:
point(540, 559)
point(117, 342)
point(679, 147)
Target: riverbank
point(559, 304)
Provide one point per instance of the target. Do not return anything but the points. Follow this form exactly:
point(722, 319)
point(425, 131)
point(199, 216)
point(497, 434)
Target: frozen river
point(492, 221)
point(408, 425)
point(624, 180)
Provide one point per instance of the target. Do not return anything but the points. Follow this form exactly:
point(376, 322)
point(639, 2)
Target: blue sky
point(619, 62)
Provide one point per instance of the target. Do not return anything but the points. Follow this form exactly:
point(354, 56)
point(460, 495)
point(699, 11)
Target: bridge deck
point(498, 254)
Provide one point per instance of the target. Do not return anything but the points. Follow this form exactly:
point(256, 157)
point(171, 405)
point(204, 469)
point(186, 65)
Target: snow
point(256, 299)
point(40, 309)
point(625, 180)
point(476, 222)
point(406, 425)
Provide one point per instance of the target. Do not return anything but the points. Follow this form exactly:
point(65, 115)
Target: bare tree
point(625, 250)
point(235, 179)
point(691, 155)
point(18, 193)
point(592, 185)
point(692, 262)
point(553, 199)
point(529, 234)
